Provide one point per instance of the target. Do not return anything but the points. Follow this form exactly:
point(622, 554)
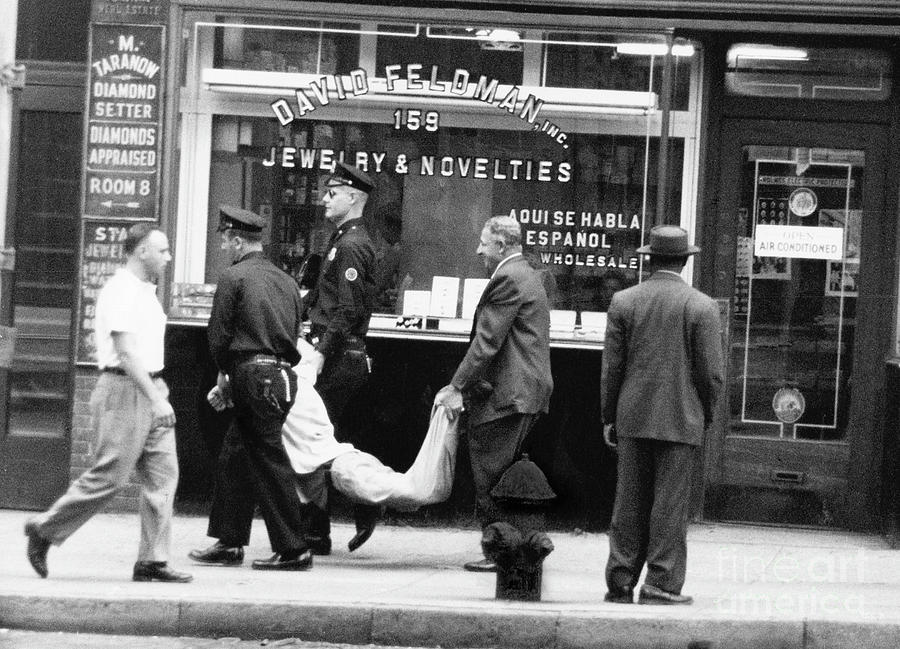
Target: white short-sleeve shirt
point(128, 304)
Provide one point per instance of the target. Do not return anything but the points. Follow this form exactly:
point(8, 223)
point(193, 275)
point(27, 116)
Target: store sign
point(473, 167)
point(798, 181)
point(415, 78)
point(400, 81)
point(103, 251)
point(129, 11)
point(580, 239)
point(124, 122)
point(798, 242)
point(531, 177)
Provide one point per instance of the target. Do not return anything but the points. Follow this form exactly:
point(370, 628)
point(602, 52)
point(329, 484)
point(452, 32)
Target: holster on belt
point(352, 341)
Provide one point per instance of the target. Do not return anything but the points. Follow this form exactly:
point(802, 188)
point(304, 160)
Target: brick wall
point(84, 441)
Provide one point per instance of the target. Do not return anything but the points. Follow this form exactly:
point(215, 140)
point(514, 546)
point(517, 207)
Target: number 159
point(414, 119)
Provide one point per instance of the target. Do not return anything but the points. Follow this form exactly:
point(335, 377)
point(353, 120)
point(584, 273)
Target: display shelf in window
point(191, 301)
point(457, 330)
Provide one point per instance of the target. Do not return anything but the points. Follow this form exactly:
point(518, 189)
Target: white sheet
point(308, 438)
point(429, 480)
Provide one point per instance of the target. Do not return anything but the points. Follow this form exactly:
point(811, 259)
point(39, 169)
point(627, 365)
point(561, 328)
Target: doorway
point(808, 281)
point(36, 408)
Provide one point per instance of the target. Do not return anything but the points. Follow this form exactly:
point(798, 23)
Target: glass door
point(804, 213)
point(795, 290)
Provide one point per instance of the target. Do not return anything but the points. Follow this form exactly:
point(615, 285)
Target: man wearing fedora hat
point(661, 378)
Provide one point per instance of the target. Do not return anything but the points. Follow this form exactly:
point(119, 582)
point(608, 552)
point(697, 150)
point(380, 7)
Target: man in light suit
point(661, 379)
point(505, 373)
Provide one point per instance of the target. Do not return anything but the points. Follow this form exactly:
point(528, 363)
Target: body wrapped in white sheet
point(308, 438)
point(429, 480)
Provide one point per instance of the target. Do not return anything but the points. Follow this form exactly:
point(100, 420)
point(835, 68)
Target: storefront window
point(294, 46)
point(620, 66)
point(454, 124)
point(576, 221)
point(440, 47)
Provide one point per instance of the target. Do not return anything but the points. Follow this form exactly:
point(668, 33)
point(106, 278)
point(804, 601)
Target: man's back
point(256, 309)
point(662, 360)
point(526, 352)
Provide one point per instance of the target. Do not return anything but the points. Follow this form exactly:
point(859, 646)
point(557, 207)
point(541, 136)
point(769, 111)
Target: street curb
point(422, 626)
point(824, 634)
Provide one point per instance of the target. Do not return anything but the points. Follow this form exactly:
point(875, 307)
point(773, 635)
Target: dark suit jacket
point(662, 361)
point(510, 345)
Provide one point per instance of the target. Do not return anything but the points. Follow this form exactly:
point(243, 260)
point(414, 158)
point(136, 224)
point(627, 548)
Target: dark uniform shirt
point(256, 310)
point(341, 304)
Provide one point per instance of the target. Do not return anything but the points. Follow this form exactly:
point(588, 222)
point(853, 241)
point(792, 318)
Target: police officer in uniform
point(253, 330)
point(340, 305)
point(339, 309)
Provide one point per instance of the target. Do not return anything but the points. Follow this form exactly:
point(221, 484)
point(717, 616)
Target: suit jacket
point(510, 345)
point(662, 361)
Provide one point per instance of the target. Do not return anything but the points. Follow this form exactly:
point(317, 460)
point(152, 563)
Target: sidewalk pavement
point(754, 588)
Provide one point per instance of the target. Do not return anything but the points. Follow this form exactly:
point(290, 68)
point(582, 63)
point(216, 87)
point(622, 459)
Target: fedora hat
point(668, 241)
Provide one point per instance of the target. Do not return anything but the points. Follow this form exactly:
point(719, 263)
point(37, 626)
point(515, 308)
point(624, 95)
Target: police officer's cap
point(345, 174)
point(235, 218)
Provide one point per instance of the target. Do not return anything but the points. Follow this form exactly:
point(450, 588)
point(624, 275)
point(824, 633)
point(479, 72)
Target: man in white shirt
point(130, 413)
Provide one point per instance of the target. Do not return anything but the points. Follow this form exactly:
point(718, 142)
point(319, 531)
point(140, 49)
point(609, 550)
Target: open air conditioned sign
point(798, 242)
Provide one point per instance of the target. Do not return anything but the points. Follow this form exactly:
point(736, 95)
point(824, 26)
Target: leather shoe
point(319, 545)
point(37, 549)
point(158, 571)
point(619, 596)
point(658, 596)
point(366, 518)
point(278, 561)
point(482, 565)
point(219, 554)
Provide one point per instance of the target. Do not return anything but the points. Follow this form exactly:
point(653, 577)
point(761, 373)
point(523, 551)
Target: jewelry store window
point(560, 129)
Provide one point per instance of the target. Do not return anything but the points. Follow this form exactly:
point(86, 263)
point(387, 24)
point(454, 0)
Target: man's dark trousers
point(234, 498)
point(344, 373)
point(234, 502)
point(262, 396)
point(650, 515)
point(492, 450)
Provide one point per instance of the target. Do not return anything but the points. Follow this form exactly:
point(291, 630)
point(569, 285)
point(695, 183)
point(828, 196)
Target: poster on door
point(802, 210)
